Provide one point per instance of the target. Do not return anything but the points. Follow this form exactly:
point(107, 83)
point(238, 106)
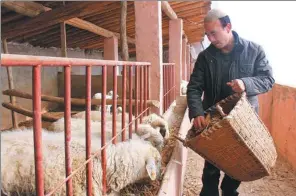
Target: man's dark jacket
point(249, 64)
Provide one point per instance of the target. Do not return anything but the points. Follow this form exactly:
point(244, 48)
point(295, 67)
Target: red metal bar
point(166, 86)
point(171, 83)
point(145, 88)
point(25, 60)
point(114, 104)
point(103, 128)
point(141, 93)
point(136, 94)
point(174, 82)
point(130, 101)
point(36, 84)
point(164, 90)
point(88, 131)
point(67, 116)
point(123, 101)
point(148, 84)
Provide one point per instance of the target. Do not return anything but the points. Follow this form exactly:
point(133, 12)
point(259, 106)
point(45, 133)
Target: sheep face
point(157, 121)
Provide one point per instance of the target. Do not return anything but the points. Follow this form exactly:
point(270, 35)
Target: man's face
point(216, 34)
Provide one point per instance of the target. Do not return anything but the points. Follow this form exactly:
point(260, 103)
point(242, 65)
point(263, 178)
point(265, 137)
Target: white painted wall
point(270, 24)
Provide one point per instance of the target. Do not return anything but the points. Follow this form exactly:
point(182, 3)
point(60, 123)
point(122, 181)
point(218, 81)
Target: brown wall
point(278, 111)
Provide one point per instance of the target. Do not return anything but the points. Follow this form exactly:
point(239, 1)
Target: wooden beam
point(63, 40)
point(167, 9)
point(53, 17)
point(33, 9)
point(74, 101)
point(10, 86)
point(23, 111)
point(124, 45)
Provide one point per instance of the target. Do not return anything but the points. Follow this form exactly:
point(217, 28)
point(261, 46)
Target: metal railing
point(141, 96)
point(169, 85)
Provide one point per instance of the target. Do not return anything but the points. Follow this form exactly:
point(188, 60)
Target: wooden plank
point(10, 86)
point(23, 111)
point(74, 101)
point(33, 9)
point(53, 17)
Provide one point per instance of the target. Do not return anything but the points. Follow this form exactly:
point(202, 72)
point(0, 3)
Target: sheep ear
point(151, 169)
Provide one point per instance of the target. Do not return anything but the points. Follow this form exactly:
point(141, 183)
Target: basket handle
point(220, 109)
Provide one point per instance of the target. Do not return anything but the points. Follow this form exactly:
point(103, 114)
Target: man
point(230, 64)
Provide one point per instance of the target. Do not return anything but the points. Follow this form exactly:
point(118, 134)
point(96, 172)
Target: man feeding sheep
point(230, 64)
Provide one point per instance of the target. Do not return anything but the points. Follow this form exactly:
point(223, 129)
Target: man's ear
point(151, 169)
point(228, 27)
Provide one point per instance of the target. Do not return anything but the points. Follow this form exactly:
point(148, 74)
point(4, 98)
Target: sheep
point(157, 121)
point(127, 163)
point(108, 96)
point(96, 116)
point(184, 87)
point(98, 96)
point(144, 131)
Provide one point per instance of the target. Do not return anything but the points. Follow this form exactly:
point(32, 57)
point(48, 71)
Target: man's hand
point(199, 122)
point(237, 85)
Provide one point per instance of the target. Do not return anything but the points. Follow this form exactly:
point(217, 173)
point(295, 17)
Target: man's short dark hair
point(225, 20)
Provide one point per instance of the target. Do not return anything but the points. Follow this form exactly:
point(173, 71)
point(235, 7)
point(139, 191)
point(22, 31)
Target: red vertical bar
point(164, 91)
point(37, 130)
point(103, 128)
point(130, 101)
point(88, 131)
point(171, 82)
point(67, 116)
point(148, 85)
point(174, 81)
point(141, 93)
point(145, 89)
point(123, 102)
point(114, 104)
point(136, 94)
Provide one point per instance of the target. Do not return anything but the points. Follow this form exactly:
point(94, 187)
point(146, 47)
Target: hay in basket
point(236, 141)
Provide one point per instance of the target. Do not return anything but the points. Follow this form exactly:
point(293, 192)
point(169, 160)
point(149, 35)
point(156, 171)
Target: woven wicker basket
point(239, 144)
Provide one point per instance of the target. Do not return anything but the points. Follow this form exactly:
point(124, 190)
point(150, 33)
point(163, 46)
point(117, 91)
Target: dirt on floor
point(282, 181)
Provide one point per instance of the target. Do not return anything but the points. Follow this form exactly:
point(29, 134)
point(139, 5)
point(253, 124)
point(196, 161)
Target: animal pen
point(156, 55)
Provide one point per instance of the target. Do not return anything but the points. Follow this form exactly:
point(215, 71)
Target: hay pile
point(151, 188)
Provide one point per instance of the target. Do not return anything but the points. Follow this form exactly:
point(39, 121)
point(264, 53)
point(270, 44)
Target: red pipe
point(103, 128)
point(88, 131)
point(145, 89)
point(36, 84)
point(114, 141)
point(148, 87)
point(137, 97)
point(141, 93)
point(67, 116)
point(130, 101)
point(164, 91)
point(25, 60)
point(123, 102)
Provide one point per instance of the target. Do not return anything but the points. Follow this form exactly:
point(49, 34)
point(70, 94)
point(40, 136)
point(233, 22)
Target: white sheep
point(98, 96)
point(157, 121)
point(144, 131)
point(184, 87)
point(127, 163)
point(96, 116)
point(108, 96)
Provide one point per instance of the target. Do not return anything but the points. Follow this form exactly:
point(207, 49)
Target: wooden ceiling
point(39, 27)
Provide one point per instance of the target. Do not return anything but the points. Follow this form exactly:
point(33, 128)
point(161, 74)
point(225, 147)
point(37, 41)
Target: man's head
point(218, 28)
